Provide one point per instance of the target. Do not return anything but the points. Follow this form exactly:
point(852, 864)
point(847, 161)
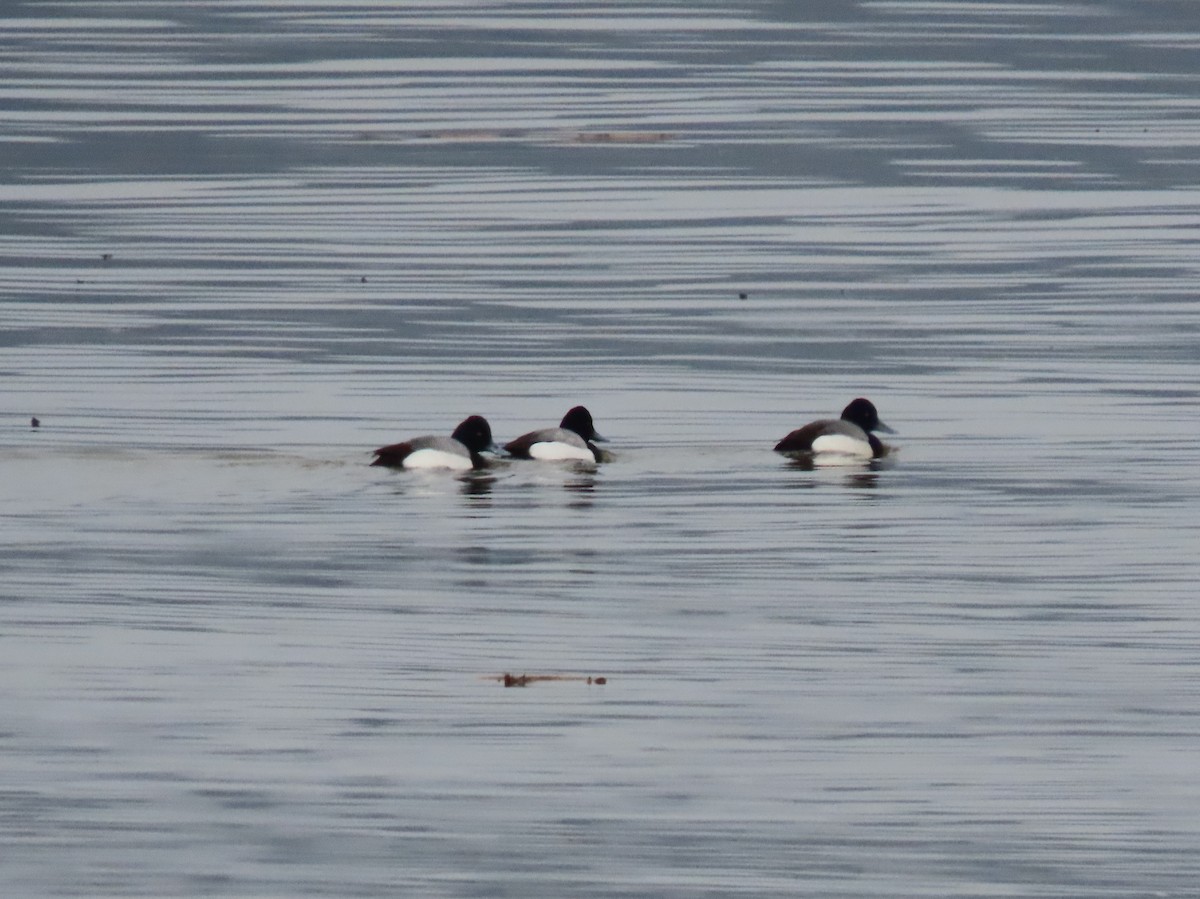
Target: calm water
point(243, 244)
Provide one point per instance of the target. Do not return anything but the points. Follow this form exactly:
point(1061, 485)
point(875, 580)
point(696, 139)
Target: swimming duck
point(572, 439)
point(848, 438)
point(458, 452)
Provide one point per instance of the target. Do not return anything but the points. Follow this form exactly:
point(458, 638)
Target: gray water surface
point(241, 245)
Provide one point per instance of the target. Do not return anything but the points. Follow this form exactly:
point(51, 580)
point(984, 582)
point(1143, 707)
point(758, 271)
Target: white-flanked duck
point(574, 438)
point(845, 439)
point(458, 452)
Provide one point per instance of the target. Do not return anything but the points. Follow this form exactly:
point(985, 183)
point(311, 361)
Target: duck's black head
point(863, 413)
point(579, 420)
point(475, 434)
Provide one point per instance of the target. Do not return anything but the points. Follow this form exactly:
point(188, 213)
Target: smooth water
point(243, 244)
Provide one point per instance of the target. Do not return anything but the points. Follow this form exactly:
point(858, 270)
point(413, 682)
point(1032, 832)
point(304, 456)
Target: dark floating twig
point(618, 137)
point(524, 680)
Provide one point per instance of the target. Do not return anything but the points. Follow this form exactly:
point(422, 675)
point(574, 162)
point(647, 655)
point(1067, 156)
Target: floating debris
point(524, 680)
point(34, 423)
point(619, 137)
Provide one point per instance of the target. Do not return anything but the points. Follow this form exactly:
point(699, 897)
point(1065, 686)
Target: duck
point(844, 439)
point(573, 439)
point(458, 452)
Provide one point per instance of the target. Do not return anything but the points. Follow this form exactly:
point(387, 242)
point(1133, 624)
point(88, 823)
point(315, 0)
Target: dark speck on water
point(237, 661)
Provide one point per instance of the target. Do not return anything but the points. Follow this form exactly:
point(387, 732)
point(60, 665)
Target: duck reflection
point(863, 477)
point(581, 485)
point(477, 485)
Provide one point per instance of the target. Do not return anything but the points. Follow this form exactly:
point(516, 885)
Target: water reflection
point(531, 480)
point(864, 474)
point(581, 485)
point(578, 479)
point(477, 486)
